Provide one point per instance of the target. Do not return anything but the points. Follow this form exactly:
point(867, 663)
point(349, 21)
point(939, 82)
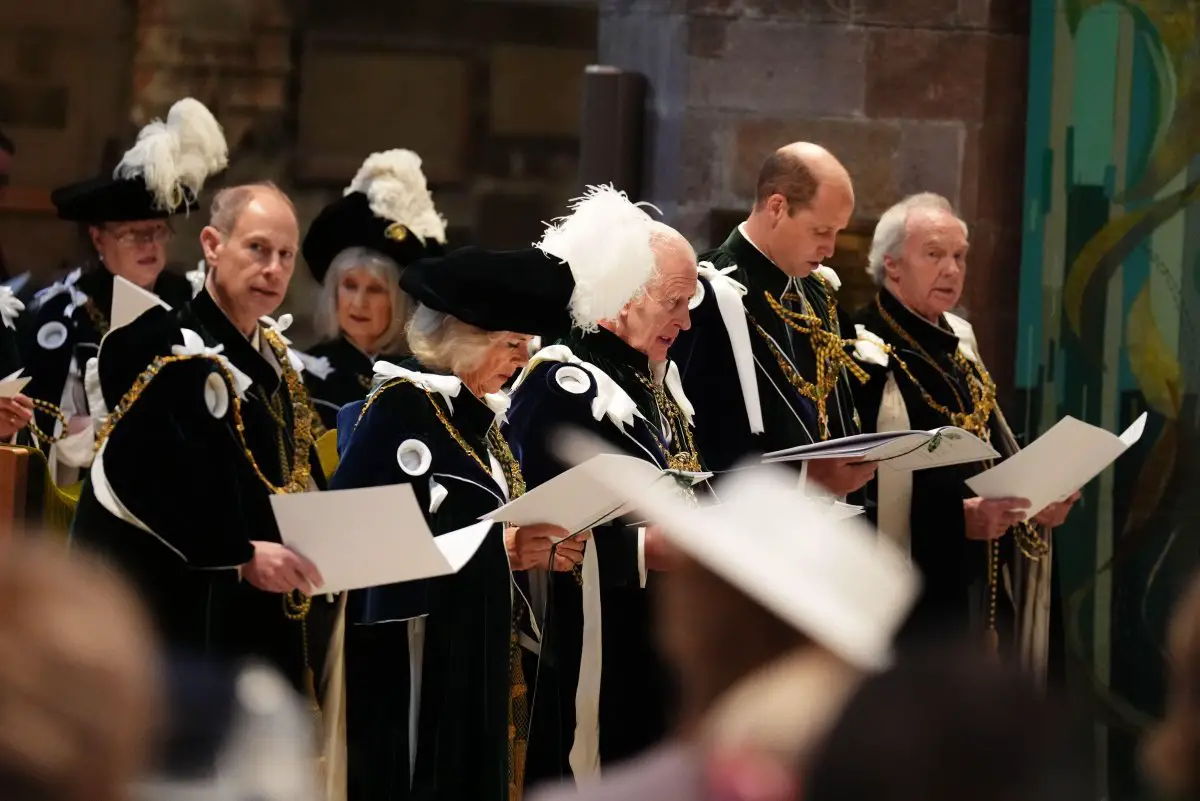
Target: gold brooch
point(396, 232)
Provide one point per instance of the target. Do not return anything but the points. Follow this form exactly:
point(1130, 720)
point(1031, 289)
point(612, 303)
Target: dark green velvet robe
point(348, 379)
point(954, 597)
point(636, 698)
point(184, 474)
point(705, 359)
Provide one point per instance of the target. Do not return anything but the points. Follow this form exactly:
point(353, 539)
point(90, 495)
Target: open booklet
point(577, 499)
point(896, 450)
point(1056, 464)
point(371, 536)
point(11, 385)
point(130, 302)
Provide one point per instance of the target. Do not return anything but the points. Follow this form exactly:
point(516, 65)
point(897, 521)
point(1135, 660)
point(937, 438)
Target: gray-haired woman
point(356, 248)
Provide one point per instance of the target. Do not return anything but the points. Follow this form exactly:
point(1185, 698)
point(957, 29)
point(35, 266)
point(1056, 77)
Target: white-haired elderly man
point(602, 694)
point(986, 572)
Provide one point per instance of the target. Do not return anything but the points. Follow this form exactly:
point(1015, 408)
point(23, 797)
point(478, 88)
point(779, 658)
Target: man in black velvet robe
point(925, 372)
point(775, 373)
point(127, 223)
point(602, 693)
point(209, 420)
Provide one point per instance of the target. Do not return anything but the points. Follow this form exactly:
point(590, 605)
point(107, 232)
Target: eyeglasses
point(156, 236)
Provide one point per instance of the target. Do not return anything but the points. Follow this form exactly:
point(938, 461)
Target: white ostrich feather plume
point(176, 157)
point(606, 241)
point(396, 190)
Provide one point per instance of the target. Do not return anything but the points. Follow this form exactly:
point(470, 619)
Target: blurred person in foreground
point(1172, 753)
point(78, 678)
point(764, 574)
point(946, 725)
point(235, 732)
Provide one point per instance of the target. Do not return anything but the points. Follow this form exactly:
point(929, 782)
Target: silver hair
point(444, 342)
point(664, 240)
point(892, 229)
point(325, 321)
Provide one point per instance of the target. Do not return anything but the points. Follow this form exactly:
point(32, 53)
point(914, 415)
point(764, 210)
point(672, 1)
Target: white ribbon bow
point(729, 294)
point(320, 366)
point(832, 278)
point(10, 307)
point(674, 385)
point(278, 326)
point(869, 347)
point(498, 402)
point(78, 298)
point(197, 277)
point(193, 345)
point(447, 386)
point(709, 271)
point(610, 399)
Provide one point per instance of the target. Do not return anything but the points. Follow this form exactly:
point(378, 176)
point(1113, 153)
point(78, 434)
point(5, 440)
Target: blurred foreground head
point(763, 572)
point(759, 737)
point(1173, 752)
point(768, 571)
point(947, 725)
point(78, 678)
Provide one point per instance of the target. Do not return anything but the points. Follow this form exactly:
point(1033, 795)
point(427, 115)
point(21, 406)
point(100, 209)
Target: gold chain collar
point(499, 445)
point(975, 414)
point(828, 347)
point(976, 419)
point(683, 455)
point(302, 435)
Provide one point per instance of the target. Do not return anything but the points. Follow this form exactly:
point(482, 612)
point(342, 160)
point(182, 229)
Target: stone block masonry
point(912, 95)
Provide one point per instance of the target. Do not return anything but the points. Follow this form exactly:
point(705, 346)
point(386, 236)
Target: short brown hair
point(230, 202)
point(715, 635)
point(79, 684)
point(785, 174)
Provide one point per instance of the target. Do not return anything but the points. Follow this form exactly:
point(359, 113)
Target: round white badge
point(572, 379)
point(52, 335)
point(216, 395)
point(414, 457)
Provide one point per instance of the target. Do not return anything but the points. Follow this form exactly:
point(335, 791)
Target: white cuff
point(641, 548)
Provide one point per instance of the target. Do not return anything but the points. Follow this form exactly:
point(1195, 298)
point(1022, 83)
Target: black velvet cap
point(349, 222)
point(105, 199)
point(526, 291)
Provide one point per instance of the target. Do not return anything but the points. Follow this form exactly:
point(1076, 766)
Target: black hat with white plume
point(585, 268)
point(387, 208)
point(161, 175)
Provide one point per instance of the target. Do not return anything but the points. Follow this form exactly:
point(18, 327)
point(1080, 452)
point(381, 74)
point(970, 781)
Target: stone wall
point(913, 95)
point(305, 91)
point(64, 92)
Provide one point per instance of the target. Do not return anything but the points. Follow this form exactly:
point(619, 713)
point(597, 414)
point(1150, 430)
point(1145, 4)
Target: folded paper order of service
point(896, 450)
point(371, 536)
point(1056, 464)
point(580, 498)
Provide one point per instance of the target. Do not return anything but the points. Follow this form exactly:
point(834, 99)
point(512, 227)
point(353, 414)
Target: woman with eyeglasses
point(127, 216)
